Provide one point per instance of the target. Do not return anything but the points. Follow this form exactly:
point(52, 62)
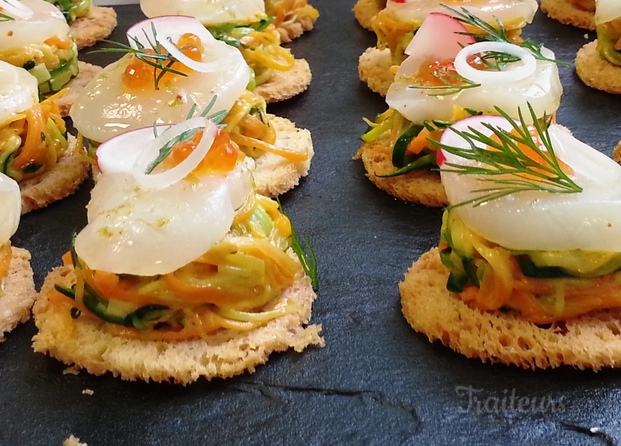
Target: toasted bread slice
point(76, 85)
point(374, 69)
point(85, 343)
point(422, 187)
point(597, 72)
point(17, 293)
point(274, 175)
point(566, 12)
point(56, 183)
point(286, 84)
point(91, 28)
point(365, 10)
point(591, 341)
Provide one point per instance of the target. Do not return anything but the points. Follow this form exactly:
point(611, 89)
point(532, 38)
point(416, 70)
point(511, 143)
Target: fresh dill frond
point(495, 33)
point(167, 148)
point(6, 18)
point(308, 261)
point(504, 165)
point(449, 85)
point(155, 56)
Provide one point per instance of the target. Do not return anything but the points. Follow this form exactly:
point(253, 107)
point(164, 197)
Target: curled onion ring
point(464, 69)
point(16, 9)
point(169, 28)
point(180, 171)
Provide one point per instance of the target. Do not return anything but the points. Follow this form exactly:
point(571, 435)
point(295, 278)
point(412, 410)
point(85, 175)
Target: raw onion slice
point(168, 29)
point(513, 74)
point(180, 171)
point(16, 9)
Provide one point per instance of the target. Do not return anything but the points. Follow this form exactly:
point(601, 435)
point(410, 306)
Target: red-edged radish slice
point(439, 38)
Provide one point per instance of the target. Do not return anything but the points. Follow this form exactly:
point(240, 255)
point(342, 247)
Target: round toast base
point(18, 293)
point(596, 72)
point(565, 12)
point(591, 341)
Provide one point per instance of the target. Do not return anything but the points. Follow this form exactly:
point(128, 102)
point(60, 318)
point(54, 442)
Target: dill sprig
point(166, 150)
point(155, 56)
point(5, 18)
point(308, 261)
point(506, 168)
point(448, 87)
point(491, 33)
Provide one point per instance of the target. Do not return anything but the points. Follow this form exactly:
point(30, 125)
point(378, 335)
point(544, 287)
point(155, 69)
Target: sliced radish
point(439, 38)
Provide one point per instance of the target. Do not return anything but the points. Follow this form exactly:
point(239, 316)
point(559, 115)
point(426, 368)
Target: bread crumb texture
point(56, 183)
point(275, 175)
point(592, 341)
point(286, 84)
point(365, 10)
point(374, 69)
point(93, 27)
point(73, 441)
point(85, 343)
point(422, 187)
point(75, 86)
point(596, 72)
point(17, 293)
point(565, 12)
point(294, 27)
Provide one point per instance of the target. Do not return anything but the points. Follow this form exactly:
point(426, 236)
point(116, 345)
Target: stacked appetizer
point(580, 13)
point(243, 24)
point(34, 35)
point(396, 25)
point(174, 68)
point(182, 271)
point(88, 23)
point(527, 269)
point(451, 73)
point(36, 150)
point(17, 292)
point(598, 63)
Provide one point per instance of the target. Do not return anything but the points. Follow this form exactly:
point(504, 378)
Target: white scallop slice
point(145, 231)
point(106, 108)
point(10, 207)
point(44, 22)
point(18, 91)
point(208, 12)
point(607, 10)
point(512, 13)
point(538, 220)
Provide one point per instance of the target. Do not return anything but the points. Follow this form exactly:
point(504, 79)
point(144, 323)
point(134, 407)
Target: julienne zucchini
point(73, 9)
point(466, 268)
point(608, 35)
point(161, 317)
point(54, 80)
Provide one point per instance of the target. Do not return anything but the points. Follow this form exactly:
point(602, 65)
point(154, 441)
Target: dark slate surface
point(376, 381)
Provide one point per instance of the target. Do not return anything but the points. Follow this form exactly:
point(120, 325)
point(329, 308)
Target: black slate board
point(376, 381)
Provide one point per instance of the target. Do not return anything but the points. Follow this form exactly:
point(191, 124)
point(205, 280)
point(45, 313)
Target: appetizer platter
point(376, 380)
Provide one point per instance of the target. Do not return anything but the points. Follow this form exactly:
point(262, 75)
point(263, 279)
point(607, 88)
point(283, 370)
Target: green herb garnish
point(448, 86)
point(6, 18)
point(159, 59)
point(309, 263)
point(506, 167)
point(166, 149)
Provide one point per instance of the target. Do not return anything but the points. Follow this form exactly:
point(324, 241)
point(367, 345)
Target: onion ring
point(465, 70)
